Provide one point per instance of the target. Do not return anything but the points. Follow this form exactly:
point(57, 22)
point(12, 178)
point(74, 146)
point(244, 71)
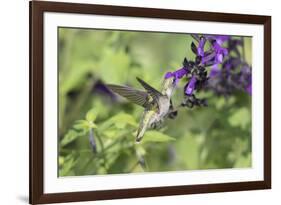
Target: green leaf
point(110, 133)
point(243, 161)
point(67, 166)
point(240, 118)
point(120, 125)
point(220, 103)
point(124, 118)
point(92, 125)
point(115, 133)
point(76, 75)
point(155, 136)
point(70, 136)
point(119, 121)
point(114, 66)
point(189, 146)
point(61, 160)
point(81, 125)
point(140, 150)
point(91, 115)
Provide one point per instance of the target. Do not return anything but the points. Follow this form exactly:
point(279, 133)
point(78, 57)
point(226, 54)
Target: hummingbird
point(157, 104)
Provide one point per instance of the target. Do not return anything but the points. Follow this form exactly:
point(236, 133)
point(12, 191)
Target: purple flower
point(220, 39)
point(208, 57)
point(249, 88)
point(214, 71)
point(235, 74)
point(190, 86)
point(246, 78)
point(233, 45)
point(200, 48)
point(220, 52)
point(178, 74)
point(215, 54)
point(227, 73)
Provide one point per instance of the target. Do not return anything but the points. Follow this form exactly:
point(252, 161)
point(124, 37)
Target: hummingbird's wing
point(155, 94)
point(136, 96)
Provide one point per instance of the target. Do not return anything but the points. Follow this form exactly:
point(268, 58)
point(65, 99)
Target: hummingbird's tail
point(144, 124)
point(140, 132)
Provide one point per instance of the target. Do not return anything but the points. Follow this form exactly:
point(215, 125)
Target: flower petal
point(191, 86)
point(201, 45)
point(249, 89)
point(168, 75)
point(214, 71)
point(178, 74)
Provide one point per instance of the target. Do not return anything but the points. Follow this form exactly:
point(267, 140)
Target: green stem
point(101, 153)
point(102, 150)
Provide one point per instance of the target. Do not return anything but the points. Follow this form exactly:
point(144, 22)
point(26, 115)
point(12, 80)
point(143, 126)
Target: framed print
point(136, 102)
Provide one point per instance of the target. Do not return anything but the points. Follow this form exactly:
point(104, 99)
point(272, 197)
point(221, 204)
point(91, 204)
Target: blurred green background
point(213, 137)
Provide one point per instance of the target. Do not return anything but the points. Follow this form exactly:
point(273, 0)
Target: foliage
point(97, 128)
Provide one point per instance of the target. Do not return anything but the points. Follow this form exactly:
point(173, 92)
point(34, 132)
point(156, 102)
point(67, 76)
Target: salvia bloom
point(227, 73)
point(190, 86)
point(178, 74)
point(234, 74)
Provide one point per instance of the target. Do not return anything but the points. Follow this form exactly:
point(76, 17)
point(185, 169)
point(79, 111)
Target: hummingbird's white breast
point(164, 104)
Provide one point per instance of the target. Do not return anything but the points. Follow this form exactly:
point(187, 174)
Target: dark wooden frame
point(37, 8)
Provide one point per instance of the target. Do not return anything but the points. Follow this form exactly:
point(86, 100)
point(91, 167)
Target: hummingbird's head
point(168, 86)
